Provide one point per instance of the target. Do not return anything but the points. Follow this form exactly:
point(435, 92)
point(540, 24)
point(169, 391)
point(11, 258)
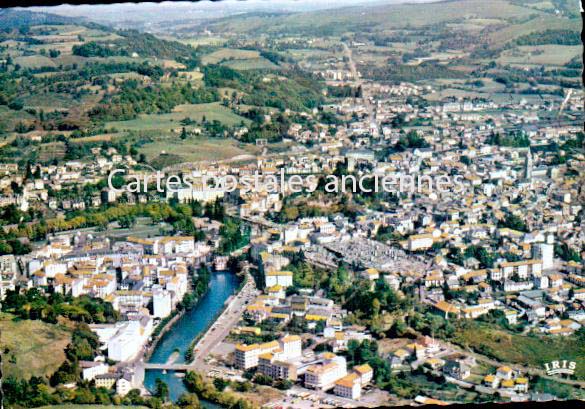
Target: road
point(226, 321)
point(351, 63)
point(358, 82)
point(213, 336)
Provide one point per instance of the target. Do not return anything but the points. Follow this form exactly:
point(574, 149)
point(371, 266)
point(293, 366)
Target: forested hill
point(380, 17)
point(19, 22)
point(11, 19)
point(143, 44)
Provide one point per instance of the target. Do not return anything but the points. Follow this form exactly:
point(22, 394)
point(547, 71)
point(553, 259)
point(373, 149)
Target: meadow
point(31, 348)
point(238, 59)
point(226, 54)
point(167, 151)
point(549, 54)
point(171, 121)
point(531, 350)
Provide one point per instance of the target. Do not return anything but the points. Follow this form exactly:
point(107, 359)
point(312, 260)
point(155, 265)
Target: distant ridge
point(11, 19)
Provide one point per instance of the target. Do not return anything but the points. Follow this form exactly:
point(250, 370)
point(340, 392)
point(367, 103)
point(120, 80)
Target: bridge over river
point(170, 367)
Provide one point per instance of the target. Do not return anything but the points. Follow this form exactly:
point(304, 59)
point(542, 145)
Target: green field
point(214, 41)
point(34, 61)
point(555, 55)
point(192, 75)
point(226, 54)
point(251, 64)
point(531, 350)
point(50, 101)
point(166, 151)
point(167, 122)
point(9, 118)
point(31, 348)
point(238, 59)
point(512, 32)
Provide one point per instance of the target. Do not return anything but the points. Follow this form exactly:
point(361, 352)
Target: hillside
point(31, 347)
point(375, 18)
point(11, 18)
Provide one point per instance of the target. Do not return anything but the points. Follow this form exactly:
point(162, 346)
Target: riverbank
point(187, 327)
point(167, 326)
point(228, 318)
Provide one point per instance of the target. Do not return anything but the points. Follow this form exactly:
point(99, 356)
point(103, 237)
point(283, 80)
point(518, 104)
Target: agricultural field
point(238, 59)
point(98, 138)
point(204, 40)
point(123, 76)
point(192, 75)
point(51, 151)
point(34, 61)
point(227, 54)
point(512, 32)
point(251, 64)
point(549, 54)
point(50, 101)
point(9, 118)
point(167, 151)
point(31, 348)
point(168, 122)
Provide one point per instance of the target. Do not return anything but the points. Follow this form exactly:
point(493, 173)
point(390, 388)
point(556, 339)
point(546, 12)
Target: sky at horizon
point(202, 9)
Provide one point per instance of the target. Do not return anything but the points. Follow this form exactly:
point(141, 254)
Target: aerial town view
point(292, 204)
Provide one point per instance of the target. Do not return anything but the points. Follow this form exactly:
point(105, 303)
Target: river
point(187, 328)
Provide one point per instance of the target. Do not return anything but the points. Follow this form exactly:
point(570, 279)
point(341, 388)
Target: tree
point(127, 222)
point(189, 401)
point(514, 222)
point(161, 389)
point(284, 384)
point(262, 379)
point(220, 384)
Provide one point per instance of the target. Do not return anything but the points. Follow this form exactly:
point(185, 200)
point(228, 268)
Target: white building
point(291, 346)
point(246, 356)
point(161, 302)
point(124, 384)
point(324, 375)
point(282, 278)
point(90, 369)
point(124, 339)
point(420, 242)
point(349, 387)
point(545, 252)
